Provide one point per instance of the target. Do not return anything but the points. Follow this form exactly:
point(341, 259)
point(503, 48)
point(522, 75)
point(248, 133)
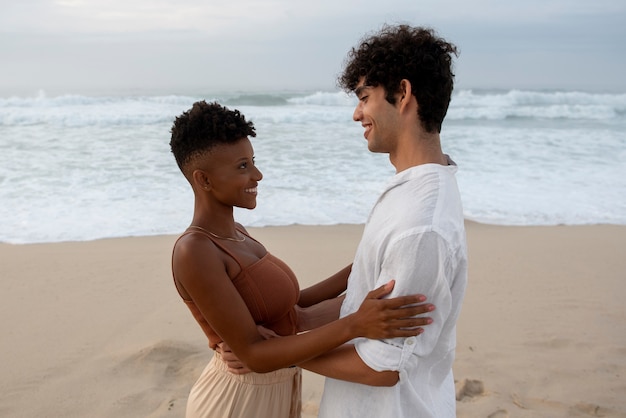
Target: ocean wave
point(77, 110)
point(256, 100)
point(98, 167)
point(325, 99)
point(517, 104)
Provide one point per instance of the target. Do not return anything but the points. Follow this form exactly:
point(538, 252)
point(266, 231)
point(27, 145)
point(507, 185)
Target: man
point(415, 233)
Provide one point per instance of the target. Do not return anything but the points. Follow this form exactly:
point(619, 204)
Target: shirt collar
point(415, 171)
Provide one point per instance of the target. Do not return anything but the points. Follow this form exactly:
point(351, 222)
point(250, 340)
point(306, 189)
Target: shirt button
point(410, 341)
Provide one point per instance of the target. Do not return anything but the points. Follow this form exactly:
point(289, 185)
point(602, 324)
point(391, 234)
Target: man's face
point(378, 117)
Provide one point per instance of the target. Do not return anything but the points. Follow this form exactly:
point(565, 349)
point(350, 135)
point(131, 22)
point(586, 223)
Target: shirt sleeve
point(418, 262)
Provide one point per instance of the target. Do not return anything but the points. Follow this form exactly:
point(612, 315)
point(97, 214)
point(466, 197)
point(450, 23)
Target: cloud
point(84, 16)
point(292, 44)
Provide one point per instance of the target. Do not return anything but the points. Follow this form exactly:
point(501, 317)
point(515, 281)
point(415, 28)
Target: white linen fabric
point(415, 235)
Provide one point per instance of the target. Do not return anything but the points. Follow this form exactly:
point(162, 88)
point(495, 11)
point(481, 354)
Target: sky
point(196, 46)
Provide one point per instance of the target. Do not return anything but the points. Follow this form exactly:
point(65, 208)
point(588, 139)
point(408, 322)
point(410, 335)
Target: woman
point(232, 285)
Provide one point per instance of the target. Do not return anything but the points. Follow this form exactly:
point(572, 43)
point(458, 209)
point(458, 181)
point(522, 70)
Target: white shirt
point(415, 235)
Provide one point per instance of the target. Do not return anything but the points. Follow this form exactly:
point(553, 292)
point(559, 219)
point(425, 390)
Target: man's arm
point(418, 261)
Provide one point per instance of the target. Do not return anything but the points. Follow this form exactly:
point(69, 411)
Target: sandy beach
point(96, 329)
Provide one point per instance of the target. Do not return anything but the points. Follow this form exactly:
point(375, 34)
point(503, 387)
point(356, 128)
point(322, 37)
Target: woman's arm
point(320, 304)
point(326, 289)
point(344, 363)
point(199, 269)
point(319, 314)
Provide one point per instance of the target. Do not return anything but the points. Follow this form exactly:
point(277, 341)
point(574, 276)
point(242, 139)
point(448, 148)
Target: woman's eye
point(246, 164)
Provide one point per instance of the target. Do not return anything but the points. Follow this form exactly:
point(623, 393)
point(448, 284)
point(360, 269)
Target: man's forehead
point(361, 86)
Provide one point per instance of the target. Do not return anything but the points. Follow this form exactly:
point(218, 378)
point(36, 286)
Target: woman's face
point(232, 175)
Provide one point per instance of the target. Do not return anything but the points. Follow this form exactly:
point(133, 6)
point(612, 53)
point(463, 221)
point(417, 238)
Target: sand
point(96, 329)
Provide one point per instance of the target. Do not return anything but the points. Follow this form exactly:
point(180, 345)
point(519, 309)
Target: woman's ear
point(201, 180)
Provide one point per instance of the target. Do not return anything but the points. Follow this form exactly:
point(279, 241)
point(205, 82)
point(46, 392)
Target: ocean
point(75, 168)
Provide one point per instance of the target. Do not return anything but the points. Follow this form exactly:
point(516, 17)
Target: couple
point(378, 359)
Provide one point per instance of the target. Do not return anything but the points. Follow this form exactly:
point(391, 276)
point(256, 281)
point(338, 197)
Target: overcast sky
point(183, 46)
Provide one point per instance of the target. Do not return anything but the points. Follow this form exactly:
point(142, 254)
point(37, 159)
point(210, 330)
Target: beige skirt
point(220, 394)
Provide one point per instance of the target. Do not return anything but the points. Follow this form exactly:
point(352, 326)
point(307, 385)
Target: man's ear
point(201, 179)
point(406, 100)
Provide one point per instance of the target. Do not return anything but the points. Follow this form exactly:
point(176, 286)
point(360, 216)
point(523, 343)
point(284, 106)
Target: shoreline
point(469, 223)
point(96, 328)
point(333, 230)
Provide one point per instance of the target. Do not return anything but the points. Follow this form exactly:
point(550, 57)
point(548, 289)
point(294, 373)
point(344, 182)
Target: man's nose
point(358, 113)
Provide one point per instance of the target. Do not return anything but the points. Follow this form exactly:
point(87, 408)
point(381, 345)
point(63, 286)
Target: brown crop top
point(269, 289)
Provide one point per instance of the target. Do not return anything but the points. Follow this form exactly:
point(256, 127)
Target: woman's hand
point(230, 359)
point(379, 318)
point(235, 366)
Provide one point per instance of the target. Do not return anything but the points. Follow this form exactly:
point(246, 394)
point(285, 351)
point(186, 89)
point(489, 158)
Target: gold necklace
point(242, 239)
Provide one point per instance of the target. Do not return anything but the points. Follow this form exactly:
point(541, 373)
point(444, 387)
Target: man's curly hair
point(404, 52)
point(204, 126)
